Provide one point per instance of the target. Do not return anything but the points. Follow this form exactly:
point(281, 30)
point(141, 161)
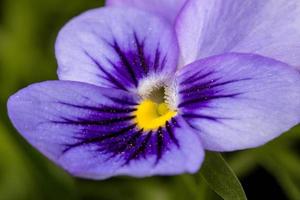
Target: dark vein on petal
point(156, 59)
point(126, 63)
point(116, 67)
point(198, 87)
point(104, 109)
point(212, 118)
point(175, 123)
point(85, 122)
point(206, 98)
point(163, 63)
point(122, 101)
point(108, 75)
point(128, 144)
point(159, 145)
point(196, 76)
point(193, 127)
point(141, 54)
point(140, 150)
point(209, 85)
point(101, 138)
point(171, 134)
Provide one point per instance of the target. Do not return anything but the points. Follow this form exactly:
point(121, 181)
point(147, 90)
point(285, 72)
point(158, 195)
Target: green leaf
point(243, 162)
point(221, 178)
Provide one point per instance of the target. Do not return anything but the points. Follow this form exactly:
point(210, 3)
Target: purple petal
point(116, 48)
point(238, 101)
point(90, 132)
point(168, 9)
point(270, 28)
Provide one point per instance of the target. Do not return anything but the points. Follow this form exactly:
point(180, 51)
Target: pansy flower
point(146, 86)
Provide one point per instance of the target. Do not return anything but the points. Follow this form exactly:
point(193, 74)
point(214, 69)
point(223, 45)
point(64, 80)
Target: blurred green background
point(28, 29)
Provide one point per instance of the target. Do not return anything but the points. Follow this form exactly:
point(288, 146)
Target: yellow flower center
point(151, 115)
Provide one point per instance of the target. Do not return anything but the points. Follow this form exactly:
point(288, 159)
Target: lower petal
point(238, 101)
point(72, 122)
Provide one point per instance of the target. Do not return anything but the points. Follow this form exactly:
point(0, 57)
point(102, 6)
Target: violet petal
point(168, 9)
point(116, 48)
point(239, 101)
point(270, 28)
point(90, 132)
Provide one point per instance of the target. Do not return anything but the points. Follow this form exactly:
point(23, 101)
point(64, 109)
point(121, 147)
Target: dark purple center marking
point(197, 92)
point(131, 65)
point(111, 131)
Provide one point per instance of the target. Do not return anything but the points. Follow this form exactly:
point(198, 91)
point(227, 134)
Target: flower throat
point(153, 111)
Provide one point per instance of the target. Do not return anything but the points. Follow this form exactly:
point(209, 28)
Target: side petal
point(169, 9)
point(90, 132)
point(116, 48)
point(270, 28)
point(238, 101)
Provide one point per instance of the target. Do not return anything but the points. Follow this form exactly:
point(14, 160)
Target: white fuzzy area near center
point(152, 83)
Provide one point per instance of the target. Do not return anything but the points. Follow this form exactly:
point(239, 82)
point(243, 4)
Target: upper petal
point(90, 132)
point(116, 48)
point(168, 9)
point(238, 101)
point(270, 28)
